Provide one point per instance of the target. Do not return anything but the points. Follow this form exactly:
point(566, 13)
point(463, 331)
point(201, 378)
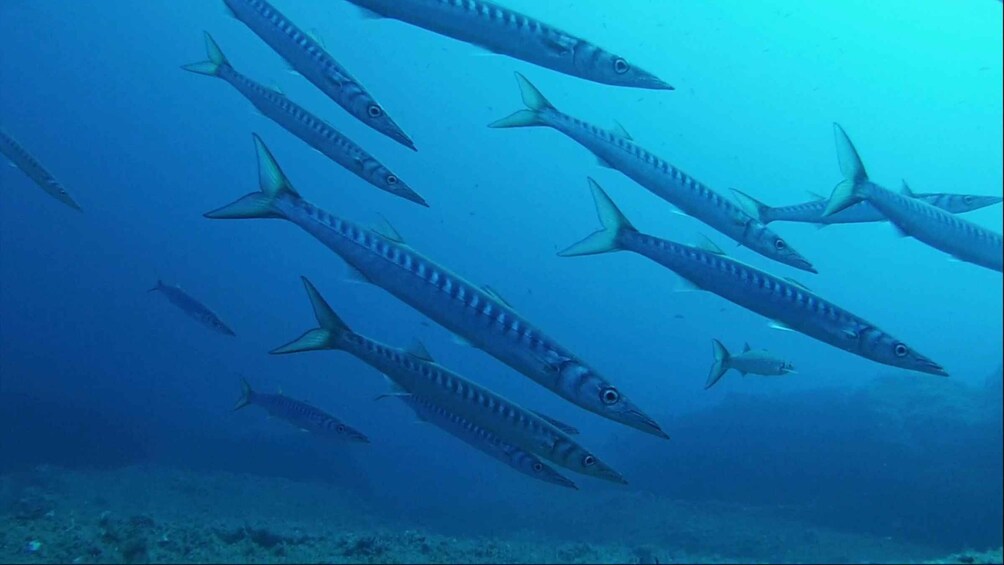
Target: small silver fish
point(192, 307)
point(20, 158)
point(750, 361)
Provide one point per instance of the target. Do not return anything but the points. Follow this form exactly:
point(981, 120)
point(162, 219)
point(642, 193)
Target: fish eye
point(900, 350)
point(391, 179)
point(779, 244)
point(967, 199)
point(374, 111)
point(620, 66)
point(538, 467)
point(610, 396)
point(340, 428)
point(588, 460)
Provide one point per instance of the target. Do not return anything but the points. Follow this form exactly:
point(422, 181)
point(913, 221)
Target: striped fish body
point(466, 310)
point(511, 33)
point(480, 406)
point(306, 417)
point(20, 158)
point(484, 440)
point(812, 212)
point(192, 307)
point(305, 55)
point(938, 228)
point(779, 300)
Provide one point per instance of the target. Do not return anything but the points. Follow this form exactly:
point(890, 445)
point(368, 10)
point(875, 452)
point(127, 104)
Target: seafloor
point(159, 515)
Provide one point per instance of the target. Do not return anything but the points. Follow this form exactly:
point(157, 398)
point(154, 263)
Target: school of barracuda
point(520, 437)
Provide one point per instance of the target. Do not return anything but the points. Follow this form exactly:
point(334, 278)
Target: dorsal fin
point(558, 424)
point(619, 131)
point(494, 294)
point(706, 244)
point(275, 88)
point(317, 38)
point(384, 228)
point(417, 349)
point(746, 347)
point(798, 284)
point(905, 190)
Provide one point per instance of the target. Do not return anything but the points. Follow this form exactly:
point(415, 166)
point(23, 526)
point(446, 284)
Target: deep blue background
point(97, 372)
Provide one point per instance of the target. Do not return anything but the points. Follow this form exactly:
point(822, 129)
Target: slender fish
point(414, 372)
point(788, 304)
point(20, 158)
point(934, 226)
point(755, 361)
point(298, 121)
point(617, 150)
point(302, 415)
point(192, 307)
point(309, 58)
point(812, 212)
point(476, 314)
point(507, 32)
point(484, 440)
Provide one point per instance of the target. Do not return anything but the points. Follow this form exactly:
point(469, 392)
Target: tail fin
point(326, 336)
point(846, 193)
point(535, 102)
point(246, 395)
point(753, 207)
point(216, 59)
point(158, 286)
point(720, 365)
point(272, 182)
point(614, 224)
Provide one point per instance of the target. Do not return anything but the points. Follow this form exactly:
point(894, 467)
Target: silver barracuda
point(415, 373)
point(310, 59)
point(20, 158)
point(812, 212)
point(302, 415)
point(476, 314)
point(617, 150)
point(788, 304)
point(483, 440)
point(298, 121)
point(507, 32)
point(942, 230)
point(192, 307)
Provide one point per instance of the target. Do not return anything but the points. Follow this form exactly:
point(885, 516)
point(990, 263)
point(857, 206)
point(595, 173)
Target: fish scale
point(477, 315)
point(791, 305)
point(303, 124)
point(417, 374)
point(309, 58)
point(666, 181)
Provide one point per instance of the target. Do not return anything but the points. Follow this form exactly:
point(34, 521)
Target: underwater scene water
point(644, 281)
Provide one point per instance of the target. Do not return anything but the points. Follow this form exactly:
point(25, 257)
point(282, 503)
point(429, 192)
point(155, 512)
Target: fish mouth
point(413, 196)
point(563, 481)
point(932, 368)
point(642, 422)
point(652, 82)
point(800, 263)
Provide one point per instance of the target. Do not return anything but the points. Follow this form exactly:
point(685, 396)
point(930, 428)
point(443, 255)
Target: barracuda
point(812, 212)
point(298, 121)
point(617, 150)
point(483, 440)
point(938, 228)
point(788, 304)
point(511, 33)
point(417, 374)
point(302, 415)
point(20, 158)
point(477, 314)
point(309, 58)
point(192, 307)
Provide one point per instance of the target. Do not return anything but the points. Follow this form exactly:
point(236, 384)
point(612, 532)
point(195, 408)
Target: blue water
point(96, 372)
